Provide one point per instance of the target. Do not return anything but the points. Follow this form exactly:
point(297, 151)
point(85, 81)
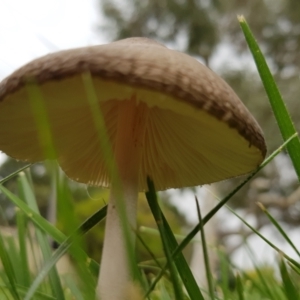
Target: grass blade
point(43, 224)
point(149, 251)
point(106, 147)
point(62, 249)
point(225, 273)
point(280, 111)
point(264, 239)
point(193, 232)
point(32, 215)
point(239, 287)
point(279, 228)
point(288, 285)
point(295, 269)
point(3, 180)
point(205, 253)
point(22, 235)
point(39, 110)
point(180, 262)
point(8, 268)
point(265, 284)
point(152, 201)
point(26, 191)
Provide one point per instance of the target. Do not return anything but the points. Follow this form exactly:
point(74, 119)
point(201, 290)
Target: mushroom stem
point(115, 277)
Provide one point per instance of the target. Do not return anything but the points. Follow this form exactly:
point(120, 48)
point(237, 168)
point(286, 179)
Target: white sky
point(32, 28)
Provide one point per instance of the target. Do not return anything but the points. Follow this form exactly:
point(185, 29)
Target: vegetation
point(31, 269)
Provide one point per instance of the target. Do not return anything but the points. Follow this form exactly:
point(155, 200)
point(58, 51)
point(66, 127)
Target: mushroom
point(166, 116)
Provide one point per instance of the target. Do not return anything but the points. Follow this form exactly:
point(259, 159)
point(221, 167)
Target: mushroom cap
point(197, 131)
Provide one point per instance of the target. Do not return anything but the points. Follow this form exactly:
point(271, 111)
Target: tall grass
point(30, 266)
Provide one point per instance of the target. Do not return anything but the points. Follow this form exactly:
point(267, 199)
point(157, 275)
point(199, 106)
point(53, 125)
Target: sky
point(32, 28)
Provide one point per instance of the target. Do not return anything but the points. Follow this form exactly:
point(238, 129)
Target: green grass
point(164, 278)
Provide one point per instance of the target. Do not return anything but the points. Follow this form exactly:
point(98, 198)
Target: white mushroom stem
point(115, 277)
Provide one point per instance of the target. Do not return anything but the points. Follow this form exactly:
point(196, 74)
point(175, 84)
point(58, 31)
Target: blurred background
point(208, 30)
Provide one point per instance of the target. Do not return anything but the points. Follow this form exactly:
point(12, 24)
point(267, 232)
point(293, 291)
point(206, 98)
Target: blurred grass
point(16, 286)
point(106, 147)
point(205, 253)
point(170, 280)
point(169, 242)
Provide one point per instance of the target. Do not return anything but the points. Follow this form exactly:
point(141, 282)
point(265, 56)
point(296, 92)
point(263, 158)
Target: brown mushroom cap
point(197, 131)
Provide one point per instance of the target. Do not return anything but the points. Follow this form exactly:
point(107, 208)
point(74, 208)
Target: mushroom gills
point(177, 137)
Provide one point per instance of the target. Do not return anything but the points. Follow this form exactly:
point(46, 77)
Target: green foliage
point(249, 285)
point(14, 284)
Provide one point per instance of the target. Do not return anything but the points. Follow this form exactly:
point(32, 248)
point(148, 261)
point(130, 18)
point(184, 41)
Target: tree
point(182, 22)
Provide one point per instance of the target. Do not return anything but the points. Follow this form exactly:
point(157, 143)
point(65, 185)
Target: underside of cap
point(197, 130)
